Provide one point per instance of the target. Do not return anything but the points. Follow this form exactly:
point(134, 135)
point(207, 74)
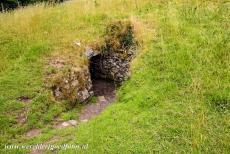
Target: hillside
point(176, 101)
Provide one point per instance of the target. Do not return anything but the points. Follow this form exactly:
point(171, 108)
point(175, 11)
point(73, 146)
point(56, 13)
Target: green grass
point(178, 98)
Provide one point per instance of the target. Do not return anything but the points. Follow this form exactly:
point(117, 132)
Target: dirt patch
point(33, 132)
point(65, 124)
point(37, 151)
point(104, 88)
point(22, 116)
point(105, 92)
point(24, 99)
point(53, 140)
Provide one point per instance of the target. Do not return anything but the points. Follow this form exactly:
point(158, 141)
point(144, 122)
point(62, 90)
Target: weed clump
point(118, 38)
point(219, 101)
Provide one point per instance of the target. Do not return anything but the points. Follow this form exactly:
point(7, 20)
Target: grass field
point(177, 100)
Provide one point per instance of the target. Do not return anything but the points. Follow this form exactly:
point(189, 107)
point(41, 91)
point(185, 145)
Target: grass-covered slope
point(177, 100)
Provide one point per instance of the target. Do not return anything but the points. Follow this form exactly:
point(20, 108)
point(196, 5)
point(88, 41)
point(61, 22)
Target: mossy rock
point(69, 82)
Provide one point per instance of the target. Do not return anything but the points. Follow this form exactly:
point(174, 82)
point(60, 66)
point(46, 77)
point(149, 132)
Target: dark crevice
point(101, 85)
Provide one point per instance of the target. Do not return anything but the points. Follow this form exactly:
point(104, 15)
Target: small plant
point(219, 101)
point(119, 36)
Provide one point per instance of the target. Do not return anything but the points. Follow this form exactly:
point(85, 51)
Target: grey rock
point(101, 99)
point(90, 52)
point(72, 122)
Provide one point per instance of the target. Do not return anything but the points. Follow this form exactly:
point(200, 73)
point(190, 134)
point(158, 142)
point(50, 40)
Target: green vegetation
point(177, 100)
point(119, 37)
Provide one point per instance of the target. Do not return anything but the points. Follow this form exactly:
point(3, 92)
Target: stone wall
point(111, 66)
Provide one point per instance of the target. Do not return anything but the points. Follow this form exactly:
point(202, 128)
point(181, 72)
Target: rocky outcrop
point(70, 82)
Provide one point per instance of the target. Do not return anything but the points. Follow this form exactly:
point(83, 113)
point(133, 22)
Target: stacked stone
point(112, 66)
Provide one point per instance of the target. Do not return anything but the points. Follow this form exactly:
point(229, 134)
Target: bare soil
point(33, 132)
point(22, 116)
point(105, 91)
point(24, 99)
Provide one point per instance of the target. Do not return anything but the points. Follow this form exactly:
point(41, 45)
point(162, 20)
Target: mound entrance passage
point(109, 65)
